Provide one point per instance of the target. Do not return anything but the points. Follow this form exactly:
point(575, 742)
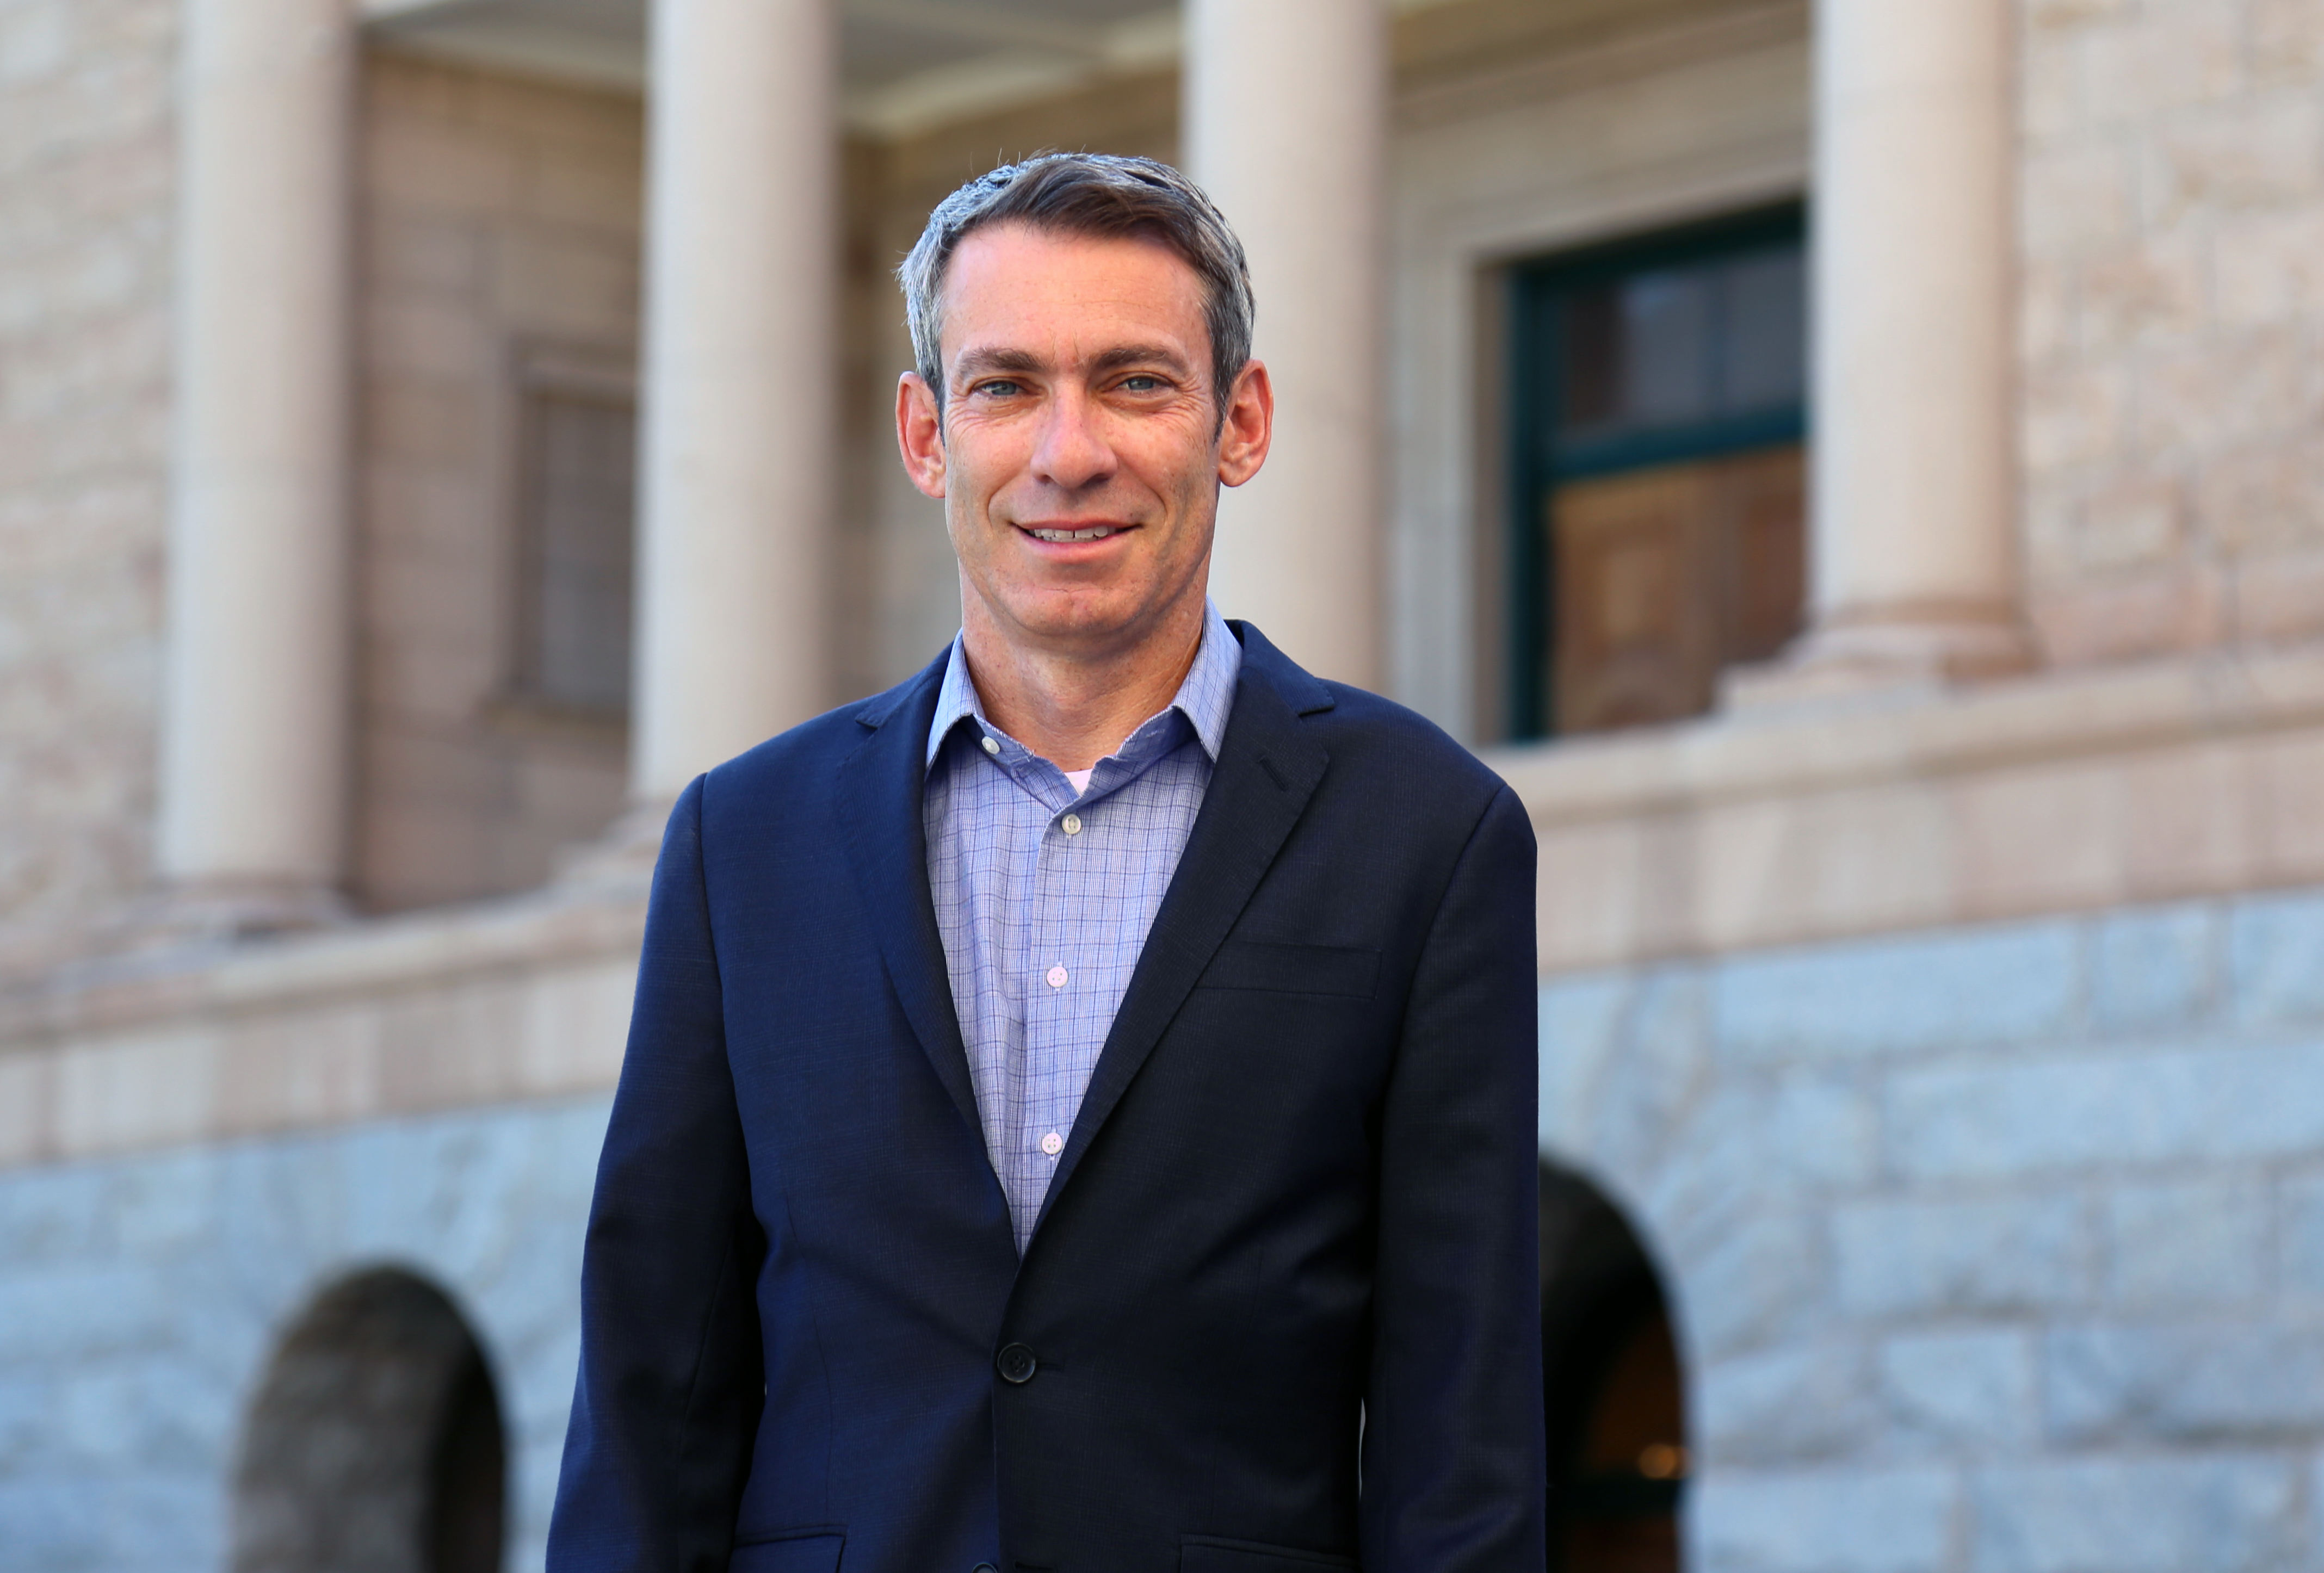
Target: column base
point(1866, 659)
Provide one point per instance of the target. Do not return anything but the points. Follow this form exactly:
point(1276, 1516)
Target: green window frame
point(1544, 449)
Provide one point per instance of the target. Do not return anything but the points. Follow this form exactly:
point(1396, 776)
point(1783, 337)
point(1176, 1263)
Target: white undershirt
point(1080, 778)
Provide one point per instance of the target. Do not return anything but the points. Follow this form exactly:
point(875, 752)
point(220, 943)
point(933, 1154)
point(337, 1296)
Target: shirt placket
point(1055, 991)
point(1010, 1033)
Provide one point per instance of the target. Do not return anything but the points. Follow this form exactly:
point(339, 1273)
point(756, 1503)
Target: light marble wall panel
point(1990, 1252)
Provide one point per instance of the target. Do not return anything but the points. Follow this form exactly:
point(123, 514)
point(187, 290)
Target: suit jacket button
point(984, 1567)
point(1016, 1364)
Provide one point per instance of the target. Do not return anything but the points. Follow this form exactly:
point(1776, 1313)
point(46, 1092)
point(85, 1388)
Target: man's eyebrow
point(1121, 355)
point(984, 362)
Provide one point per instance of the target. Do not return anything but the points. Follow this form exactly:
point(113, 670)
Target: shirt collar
point(1205, 697)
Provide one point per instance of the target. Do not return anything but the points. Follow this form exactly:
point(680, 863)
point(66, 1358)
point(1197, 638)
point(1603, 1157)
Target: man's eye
point(1000, 387)
point(1142, 383)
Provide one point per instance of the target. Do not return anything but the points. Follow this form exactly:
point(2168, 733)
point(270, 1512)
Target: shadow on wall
point(1613, 1395)
point(375, 1444)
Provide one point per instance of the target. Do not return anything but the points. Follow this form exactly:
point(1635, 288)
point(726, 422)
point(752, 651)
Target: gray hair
point(1087, 193)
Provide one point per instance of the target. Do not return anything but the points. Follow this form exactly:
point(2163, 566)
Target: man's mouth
point(1094, 532)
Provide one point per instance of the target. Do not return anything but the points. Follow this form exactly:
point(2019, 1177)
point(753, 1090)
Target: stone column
point(740, 389)
point(1284, 125)
point(1916, 557)
point(253, 751)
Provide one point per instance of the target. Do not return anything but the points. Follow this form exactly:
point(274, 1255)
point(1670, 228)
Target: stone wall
point(499, 245)
point(87, 188)
point(2172, 206)
point(144, 1296)
point(1995, 1250)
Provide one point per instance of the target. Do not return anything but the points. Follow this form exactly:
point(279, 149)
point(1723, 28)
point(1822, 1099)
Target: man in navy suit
point(1079, 1105)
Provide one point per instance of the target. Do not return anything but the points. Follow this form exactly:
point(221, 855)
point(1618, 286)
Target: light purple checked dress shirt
point(1044, 896)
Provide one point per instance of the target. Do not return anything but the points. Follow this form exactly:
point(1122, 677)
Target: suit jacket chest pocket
point(1268, 968)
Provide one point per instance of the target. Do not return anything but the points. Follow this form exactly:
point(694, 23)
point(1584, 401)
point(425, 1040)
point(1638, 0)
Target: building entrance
point(1613, 1393)
point(375, 1444)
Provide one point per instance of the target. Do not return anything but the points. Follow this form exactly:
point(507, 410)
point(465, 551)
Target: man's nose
point(1073, 452)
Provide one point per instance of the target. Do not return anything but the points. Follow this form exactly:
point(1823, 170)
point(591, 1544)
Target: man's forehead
point(1015, 272)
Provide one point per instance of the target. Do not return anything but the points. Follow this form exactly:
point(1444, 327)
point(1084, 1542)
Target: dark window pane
point(1764, 332)
point(1672, 346)
point(582, 482)
point(1666, 322)
point(1593, 358)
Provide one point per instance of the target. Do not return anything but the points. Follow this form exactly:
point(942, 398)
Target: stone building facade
point(1933, 1028)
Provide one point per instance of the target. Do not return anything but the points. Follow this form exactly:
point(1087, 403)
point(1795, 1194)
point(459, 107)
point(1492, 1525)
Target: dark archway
point(1612, 1389)
point(375, 1444)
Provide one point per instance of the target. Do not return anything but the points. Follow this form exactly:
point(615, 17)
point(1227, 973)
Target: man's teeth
point(1094, 532)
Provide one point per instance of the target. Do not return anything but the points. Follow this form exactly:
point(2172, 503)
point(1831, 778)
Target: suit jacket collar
point(879, 787)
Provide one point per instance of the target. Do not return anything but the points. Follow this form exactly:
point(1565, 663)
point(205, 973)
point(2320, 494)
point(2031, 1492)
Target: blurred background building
point(1857, 468)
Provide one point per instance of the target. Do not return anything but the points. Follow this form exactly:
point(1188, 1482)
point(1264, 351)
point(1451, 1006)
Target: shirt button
point(1073, 824)
point(1053, 1143)
point(1056, 976)
point(991, 745)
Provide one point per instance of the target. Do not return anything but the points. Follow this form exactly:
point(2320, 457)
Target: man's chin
point(1076, 620)
point(1091, 626)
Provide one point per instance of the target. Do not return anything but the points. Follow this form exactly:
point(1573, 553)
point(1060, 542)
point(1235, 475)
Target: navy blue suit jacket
point(1288, 1247)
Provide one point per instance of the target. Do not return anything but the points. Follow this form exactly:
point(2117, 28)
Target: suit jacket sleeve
point(1453, 1468)
point(672, 1377)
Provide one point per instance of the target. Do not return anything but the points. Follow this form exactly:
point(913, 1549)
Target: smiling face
point(1080, 447)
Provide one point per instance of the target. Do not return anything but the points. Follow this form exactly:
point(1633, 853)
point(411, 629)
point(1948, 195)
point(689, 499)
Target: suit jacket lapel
point(1267, 769)
point(880, 789)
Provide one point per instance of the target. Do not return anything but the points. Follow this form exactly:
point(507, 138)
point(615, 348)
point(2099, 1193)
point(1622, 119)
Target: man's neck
point(1074, 708)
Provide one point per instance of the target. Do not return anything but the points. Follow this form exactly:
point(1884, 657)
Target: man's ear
point(1249, 424)
point(919, 434)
